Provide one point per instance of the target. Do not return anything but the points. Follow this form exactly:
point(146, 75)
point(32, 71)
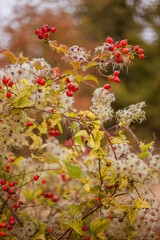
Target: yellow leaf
point(140, 204)
point(132, 215)
point(9, 55)
point(81, 133)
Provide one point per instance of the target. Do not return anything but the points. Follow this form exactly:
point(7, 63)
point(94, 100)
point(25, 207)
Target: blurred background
point(87, 23)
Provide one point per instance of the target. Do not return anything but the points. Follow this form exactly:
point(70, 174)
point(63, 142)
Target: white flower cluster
point(154, 163)
point(106, 56)
point(11, 129)
point(101, 104)
point(132, 113)
point(76, 54)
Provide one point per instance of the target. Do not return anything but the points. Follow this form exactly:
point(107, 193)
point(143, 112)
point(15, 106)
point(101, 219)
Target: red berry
point(119, 60)
point(70, 86)
point(109, 187)
point(67, 80)
point(116, 79)
point(111, 48)
point(11, 219)
point(141, 55)
point(29, 124)
point(48, 28)
point(136, 48)
point(63, 175)
point(36, 177)
point(108, 164)
point(16, 205)
point(53, 30)
point(75, 88)
point(12, 159)
point(111, 78)
point(44, 29)
point(42, 82)
point(50, 230)
point(110, 216)
point(54, 199)
point(3, 182)
point(124, 43)
point(38, 80)
point(86, 238)
point(50, 195)
point(109, 40)
point(2, 225)
point(9, 227)
point(10, 83)
point(40, 36)
point(117, 54)
point(107, 86)
point(116, 73)
point(97, 199)
point(8, 94)
point(46, 35)
point(52, 110)
point(85, 228)
point(9, 196)
point(125, 50)
point(37, 31)
point(140, 51)
point(11, 184)
point(8, 166)
point(20, 203)
point(43, 181)
point(2, 234)
point(11, 191)
point(5, 80)
point(6, 188)
point(56, 133)
point(11, 222)
point(117, 44)
point(69, 93)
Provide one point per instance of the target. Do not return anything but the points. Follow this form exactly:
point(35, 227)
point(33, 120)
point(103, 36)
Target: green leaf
point(74, 171)
point(140, 204)
point(79, 140)
point(23, 102)
point(25, 92)
point(74, 125)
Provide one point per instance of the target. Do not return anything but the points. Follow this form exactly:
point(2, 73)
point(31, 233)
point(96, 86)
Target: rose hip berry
point(107, 86)
point(69, 93)
point(36, 177)
point(3, 225)
point(109, 40)
point(8, 95)
point(29, 124)
point(116, 73)
point(85, 228)
point(124, 43)
point(3, 182)
point(2, 234)
point(54, 199)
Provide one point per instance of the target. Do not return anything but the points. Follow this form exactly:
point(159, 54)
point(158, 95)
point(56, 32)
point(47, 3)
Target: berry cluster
point(8, 83)
point(122, 45)
point(44, 32)
point(71, 88)
point(8, 226)
point(114, 78)
point(40, 81)
point(49, 195)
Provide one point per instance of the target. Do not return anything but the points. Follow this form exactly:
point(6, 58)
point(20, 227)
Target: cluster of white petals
point(132, 113)
point(76, 54)
point(101, 104)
